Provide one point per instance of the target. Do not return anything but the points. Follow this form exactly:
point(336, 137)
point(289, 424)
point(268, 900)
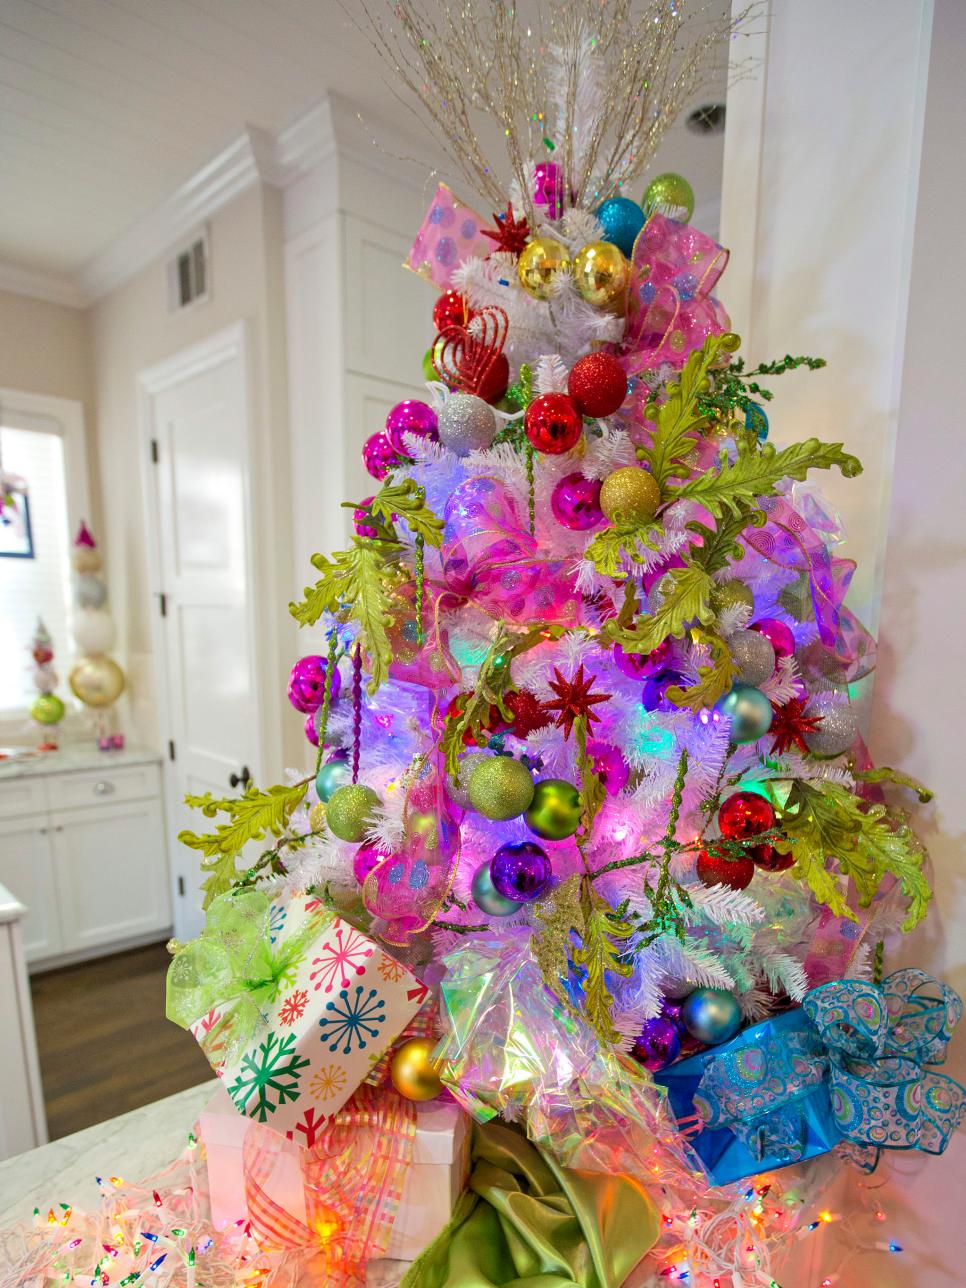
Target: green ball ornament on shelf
point(48, 709)
point(349, 811)
point(669, 194)
point(554, 813)
point(487, 898)
point(332, 775)
point(748, 710)
point(712, 1015)
point(500, 788)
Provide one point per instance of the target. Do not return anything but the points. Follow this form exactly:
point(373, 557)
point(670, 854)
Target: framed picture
point(16, 537)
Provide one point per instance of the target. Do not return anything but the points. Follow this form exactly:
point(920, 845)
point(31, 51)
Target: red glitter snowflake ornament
point(789, 725)
point(510, 234)
point(574, 699)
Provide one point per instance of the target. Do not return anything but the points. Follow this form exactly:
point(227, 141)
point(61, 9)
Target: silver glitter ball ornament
point(711, 1015)
point(466, 424)
point(838, 727)
point(458, 783)
point(753, 656)
point(89, 590)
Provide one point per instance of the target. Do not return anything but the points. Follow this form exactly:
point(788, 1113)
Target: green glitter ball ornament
point(349, 811)
point(554, 812)
point(669, 194)
point(500, 788)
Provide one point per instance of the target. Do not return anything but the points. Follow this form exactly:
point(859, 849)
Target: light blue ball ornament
point(332, 775)
point(487, 898)
point(622, 219)
point(756, 421)
point(712, 1015)
point(748, 710)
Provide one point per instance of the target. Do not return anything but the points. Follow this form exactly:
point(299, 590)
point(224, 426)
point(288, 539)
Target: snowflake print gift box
point(291, 1005)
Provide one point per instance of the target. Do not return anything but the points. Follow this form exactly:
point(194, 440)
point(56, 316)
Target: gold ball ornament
point(731, 594)
point(317, 816)
point(601, 273)
point(500, 788)
point(414, 1073)
point(630, 496)
point(542, 260)
point(349, 811)
point(554, 812)
point(669, 194)
point(97, 681)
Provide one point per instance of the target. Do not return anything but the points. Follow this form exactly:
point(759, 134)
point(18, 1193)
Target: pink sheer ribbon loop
point(451, 233)
point(788, 541)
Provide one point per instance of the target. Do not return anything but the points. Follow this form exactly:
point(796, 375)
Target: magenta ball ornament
point(658, 1043)
point(311, 730)
point(306, 683)
point(609, 765)
point(520, 872)
point(365, 859)
point(575, 502)
point(362, 519)
point(778, 635)
point(410, 417)
point(638, 666)
point(378, 455)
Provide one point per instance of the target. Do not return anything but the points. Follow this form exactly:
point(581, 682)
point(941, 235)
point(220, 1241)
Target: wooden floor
point(105, 1045)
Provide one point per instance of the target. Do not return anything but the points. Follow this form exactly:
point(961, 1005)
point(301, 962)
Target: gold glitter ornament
point(730, 594)
point(629, 497)
point(543, 260)
point(317, 817)
point(601, 273)
point(414, 1073)
point(500, 788)
point(669, 194)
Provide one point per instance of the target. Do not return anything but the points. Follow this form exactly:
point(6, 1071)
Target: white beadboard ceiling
point(108, 106)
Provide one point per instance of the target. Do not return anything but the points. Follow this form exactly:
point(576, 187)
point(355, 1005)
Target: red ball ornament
point(768, 859)
point(598, 384)
point(717, 869)
point(745, 814)
point(528, 713)
point(494, 384)
point(451, 310)
point(553, 424)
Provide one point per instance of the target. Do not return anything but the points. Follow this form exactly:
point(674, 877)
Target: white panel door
point(111, 874)
point(27, 870)
point(197, 416)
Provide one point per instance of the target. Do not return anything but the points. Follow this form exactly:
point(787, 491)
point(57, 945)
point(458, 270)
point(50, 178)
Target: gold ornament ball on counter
point(600, 271)
point(542, 260)
point(97, 681)
point(630, 496)
point(669, 194)
point(500, 788)
point(413, 1073)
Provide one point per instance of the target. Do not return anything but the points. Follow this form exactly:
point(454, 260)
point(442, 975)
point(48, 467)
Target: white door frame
point(227, 344)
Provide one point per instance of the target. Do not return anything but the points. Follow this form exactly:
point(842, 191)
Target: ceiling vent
point(188, 273)
point(709, 118)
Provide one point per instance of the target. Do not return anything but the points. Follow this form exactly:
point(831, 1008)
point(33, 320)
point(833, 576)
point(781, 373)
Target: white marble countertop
point(74, 756)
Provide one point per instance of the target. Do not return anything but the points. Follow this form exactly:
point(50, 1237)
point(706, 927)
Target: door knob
point(240, 779)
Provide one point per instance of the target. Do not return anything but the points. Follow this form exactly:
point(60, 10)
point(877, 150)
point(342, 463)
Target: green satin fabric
point(525, 1222)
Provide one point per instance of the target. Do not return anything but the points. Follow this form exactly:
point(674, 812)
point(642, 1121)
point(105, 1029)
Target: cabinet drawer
point(19, 796)
point(104, 786)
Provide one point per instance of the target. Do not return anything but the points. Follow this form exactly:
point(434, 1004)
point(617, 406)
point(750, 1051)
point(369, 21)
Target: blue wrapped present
point(848, 1066)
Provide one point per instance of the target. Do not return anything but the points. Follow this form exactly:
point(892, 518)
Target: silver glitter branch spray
point(593, 84)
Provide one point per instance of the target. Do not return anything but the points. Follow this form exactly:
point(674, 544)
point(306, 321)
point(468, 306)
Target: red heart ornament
point(471, 357)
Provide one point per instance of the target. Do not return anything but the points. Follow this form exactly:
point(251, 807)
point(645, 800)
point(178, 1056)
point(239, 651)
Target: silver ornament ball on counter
point(466, 424)
point(838, 727)
point(712, 1015)
point(753, 656)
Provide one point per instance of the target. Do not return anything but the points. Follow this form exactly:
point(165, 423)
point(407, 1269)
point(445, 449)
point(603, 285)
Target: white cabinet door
point(112, 873)
point(27, 870)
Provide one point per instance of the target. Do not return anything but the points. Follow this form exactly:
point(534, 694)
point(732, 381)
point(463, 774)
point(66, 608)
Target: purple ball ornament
point(575, 502)
point(520, 872)
point(365, 859)
point(548, 188)
point(378, 455)
point(306, 683)
point(778, 635)
point(410, 417)
point(609, 766)
point(657, 1045)
point(654, 697)
point(671, 1010)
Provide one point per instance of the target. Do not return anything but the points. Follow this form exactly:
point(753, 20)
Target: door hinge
point(181, 886)
point(154, 451)
point(171, 755)
point(163, 603)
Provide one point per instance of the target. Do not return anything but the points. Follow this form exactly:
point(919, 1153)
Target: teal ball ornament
point(756, 422)
point(333, 774)
point(712, 1015)
point(487, 898)
point(748, 710)
point(622, 220)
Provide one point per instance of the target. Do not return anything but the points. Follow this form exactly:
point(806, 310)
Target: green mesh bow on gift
point(229, 977)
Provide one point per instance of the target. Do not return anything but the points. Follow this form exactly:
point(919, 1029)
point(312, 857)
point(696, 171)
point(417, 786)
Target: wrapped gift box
point(434, 1178)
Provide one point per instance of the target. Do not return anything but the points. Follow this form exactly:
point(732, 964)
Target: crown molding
point(54, 288)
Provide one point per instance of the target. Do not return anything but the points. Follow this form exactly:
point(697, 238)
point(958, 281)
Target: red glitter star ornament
point(574, 699)
point(510, 234)
point(789, 725)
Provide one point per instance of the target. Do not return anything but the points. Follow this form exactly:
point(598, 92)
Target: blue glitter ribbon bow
point(870, 1042)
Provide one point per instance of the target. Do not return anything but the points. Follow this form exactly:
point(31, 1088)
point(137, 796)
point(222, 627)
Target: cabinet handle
point(103, 788)
point(59, 827)
point(42, 831)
